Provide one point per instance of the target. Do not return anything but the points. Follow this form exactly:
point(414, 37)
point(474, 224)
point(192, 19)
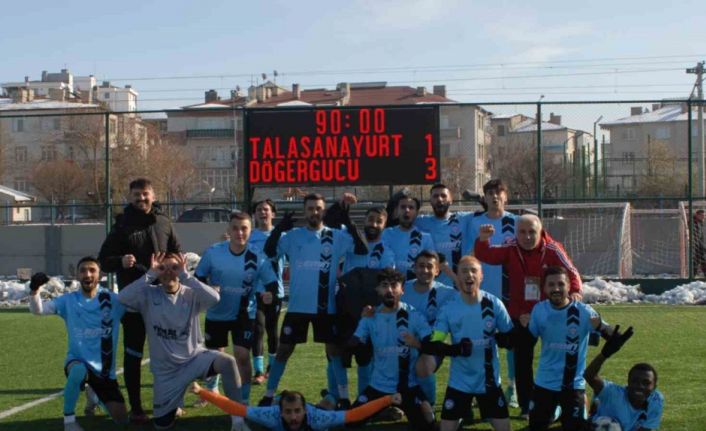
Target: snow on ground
point(15, 293)
point(612, 292)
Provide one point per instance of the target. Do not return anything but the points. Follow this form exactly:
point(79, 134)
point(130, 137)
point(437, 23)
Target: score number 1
point(430, 161)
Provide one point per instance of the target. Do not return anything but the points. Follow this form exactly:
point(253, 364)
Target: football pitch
point(671, 338)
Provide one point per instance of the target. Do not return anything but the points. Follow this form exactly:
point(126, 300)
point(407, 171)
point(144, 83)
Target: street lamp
point(595, 157)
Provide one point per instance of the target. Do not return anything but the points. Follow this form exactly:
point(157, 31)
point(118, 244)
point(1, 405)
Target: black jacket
point(139, 234)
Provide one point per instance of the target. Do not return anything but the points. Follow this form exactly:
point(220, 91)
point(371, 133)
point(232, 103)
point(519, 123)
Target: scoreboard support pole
point(247, 188)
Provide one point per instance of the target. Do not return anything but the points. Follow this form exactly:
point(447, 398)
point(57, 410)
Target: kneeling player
point(473, 322)
point(637, 406)
point(171, 313)
point(395, 331)
point(564, 326)
point(294, 414)
point(92, 318)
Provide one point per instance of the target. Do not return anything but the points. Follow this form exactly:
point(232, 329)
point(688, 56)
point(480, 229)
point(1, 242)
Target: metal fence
point(71, 165)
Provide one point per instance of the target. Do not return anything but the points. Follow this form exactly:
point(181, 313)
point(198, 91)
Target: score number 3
point(430, 160)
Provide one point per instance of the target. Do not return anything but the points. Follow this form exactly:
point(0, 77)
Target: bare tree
point(517, 166)
point(456, 174)
point(663, 174)
point(58, 181)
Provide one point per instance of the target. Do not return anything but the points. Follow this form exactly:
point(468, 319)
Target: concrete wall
point(56, 249)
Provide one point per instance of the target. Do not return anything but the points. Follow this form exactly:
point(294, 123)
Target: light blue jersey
point(504, 232)
point(313, 261)
point(257, 240)
point(379, 256)
point(429, 303)
point(479, 322)
point(91, 324)
point(316, 419)
point(405, 246)
point(239, 277)
point(613, 402)
point(564, 333)
point(390, 353)
point(447, 234)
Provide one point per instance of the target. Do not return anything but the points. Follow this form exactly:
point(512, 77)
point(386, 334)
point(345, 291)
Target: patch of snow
point(613, 292)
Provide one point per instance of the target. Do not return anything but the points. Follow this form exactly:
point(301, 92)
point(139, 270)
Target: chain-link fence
point(615, 181)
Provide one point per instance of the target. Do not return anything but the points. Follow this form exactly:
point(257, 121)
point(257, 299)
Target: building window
point(106, 95)
point(629, 134)
point(444, 121)
point(57, 123)
point(501, 130)
point(18, 125)
point(70, 153)
point(21, 184)
point(663, 133)
point(20, 154)
point(48, 153)
point(445, 150)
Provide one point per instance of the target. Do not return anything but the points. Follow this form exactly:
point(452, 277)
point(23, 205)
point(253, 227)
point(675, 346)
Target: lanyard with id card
point(531, 288)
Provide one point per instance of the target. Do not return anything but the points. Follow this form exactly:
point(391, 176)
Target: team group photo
point(429, 215)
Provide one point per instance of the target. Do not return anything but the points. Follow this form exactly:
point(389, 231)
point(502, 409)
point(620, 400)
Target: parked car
point(205, 215)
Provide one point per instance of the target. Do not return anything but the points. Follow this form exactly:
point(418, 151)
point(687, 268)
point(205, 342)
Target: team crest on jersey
point(287, 330)
point(449, 404)
point(455, 229)
point(326, 249)
point(572, 330)
point(373, 262)
point(363, 399)
point(413, 250)
point(488, 324)
point(403, 351)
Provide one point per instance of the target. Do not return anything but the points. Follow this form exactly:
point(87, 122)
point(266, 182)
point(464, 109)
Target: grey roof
point(663, 114)
point(7, 104)
point(17, 195)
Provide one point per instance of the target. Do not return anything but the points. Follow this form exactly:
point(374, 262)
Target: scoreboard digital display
point(342, 146)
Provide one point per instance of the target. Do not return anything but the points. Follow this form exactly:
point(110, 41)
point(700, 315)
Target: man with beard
point(406, 240)
point(141, 230)
point(447, 230)
point(523, 259)
point(170, 301)
point(313, 252)
point(292, 413)
point(473, 322)
point(92, 318)
point(637, 406)
point(267, 316)
point(356, 290)
point(494, 280)
point(564, 325)
point(428, 296)
point(397, 332)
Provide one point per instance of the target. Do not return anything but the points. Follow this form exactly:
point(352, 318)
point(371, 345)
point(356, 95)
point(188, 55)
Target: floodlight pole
point(699, 72)
point(595, 157)
point(539, 157)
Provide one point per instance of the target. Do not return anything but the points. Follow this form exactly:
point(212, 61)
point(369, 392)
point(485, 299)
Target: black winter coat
point(141, 235)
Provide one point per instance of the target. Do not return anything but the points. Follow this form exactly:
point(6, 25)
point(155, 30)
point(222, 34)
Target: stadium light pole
point(595, 157)
point(539, 156)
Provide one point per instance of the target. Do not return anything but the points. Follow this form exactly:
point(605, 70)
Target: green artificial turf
point(671, 338)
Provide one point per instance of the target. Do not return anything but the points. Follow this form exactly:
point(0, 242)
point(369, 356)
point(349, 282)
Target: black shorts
point(242, 332)
point(457, 404)
point(106, 389)
point(295, 328)
point(412, 398)
point(363, 355)
point(543, 407)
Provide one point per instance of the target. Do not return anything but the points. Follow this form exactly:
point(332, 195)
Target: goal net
point(596, 236)
point(659, 242)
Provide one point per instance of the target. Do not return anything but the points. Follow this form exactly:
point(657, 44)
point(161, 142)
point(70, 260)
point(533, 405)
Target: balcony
point(210, 133)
